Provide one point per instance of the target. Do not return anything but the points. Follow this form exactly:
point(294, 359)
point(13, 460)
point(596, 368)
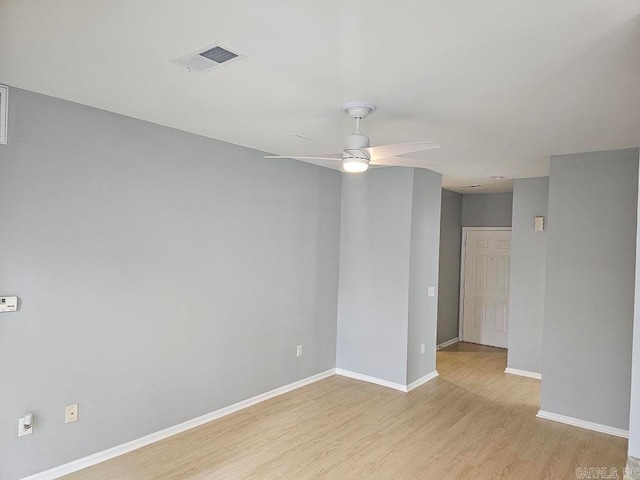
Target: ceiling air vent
point(208, 58)
point(4, 113)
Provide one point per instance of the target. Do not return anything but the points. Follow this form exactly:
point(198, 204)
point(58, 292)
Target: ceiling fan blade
point(294, 157)
point(384, 151)
point(400, 162)
point(336, 149)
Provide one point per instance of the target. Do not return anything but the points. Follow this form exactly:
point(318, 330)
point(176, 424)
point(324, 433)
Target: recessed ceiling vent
point(208, 58)
point(4, 117)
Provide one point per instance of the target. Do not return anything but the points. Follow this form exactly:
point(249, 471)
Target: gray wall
point(589, 296)
point(162, 276)
point(425, 239)
point(388, 259)
point(634, 417)
point(375, 241)
point(528, 270)
point(486, 210)
point(449, 266)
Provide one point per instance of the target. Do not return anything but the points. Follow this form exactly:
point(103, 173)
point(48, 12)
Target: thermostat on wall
point(8, 304)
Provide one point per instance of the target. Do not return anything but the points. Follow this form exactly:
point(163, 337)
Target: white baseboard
point(386, 383)
point(447, 343)
point(523, 373)
point(576, 422)
point(118, 450)
point(422, 380)
point(367, 378)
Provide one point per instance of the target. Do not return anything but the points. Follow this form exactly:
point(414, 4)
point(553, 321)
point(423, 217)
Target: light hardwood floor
point(472, 422)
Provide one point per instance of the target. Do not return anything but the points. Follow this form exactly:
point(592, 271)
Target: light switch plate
point(8, 304)
point(432, 291)
point(22, 431)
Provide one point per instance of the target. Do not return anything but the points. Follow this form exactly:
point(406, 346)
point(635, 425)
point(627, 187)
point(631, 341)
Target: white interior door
point(486, 287)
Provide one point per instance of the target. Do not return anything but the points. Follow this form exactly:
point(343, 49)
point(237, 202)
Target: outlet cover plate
point(71, 413)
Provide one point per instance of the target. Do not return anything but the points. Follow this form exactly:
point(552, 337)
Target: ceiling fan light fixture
point(355, 165)
point(357, 152)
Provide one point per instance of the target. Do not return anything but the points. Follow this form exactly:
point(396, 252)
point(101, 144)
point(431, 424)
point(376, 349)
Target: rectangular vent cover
point(207, 58)
point(4, 113)
point(218, 54)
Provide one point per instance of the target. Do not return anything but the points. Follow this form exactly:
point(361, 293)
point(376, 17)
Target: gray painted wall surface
point(162, 276)
point(589, 295)
point(375, 239)
point(528, 271)
point(486, 210)
point(425, 239)
point(388, 259)
point(634, 417)
point(449, 266)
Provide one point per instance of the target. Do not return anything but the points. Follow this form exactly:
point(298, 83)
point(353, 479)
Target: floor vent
point(4, 113)
point(208, 58)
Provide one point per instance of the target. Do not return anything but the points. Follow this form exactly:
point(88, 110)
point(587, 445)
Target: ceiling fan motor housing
point(355, 159)
point(356, 142)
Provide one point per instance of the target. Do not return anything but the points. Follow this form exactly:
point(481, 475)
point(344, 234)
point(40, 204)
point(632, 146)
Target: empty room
point(304, 240)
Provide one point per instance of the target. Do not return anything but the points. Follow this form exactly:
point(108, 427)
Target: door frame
point(463, 248)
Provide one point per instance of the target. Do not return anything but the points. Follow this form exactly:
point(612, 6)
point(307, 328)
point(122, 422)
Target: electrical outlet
point(299, 351)
point(422, 348)
point(71, 413)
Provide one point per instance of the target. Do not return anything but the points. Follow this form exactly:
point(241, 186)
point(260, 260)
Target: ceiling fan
point(357, 155)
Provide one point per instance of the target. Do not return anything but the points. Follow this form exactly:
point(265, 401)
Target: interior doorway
point(484, 285)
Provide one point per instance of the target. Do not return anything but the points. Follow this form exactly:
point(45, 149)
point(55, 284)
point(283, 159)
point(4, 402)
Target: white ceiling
point(500, 84)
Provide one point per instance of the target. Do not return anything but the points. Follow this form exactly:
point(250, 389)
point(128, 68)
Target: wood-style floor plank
point(472, 422)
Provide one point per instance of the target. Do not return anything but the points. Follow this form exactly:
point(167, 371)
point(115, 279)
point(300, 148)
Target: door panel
point(486, 287)
point(479, 312)
point(479, 282)
point(501, 317)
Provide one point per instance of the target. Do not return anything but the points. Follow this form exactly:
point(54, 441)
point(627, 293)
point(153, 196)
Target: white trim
point(118, 450)
point(367, 378)
point(576, 422)
point(523, 373)
point(463, 247)
point(422, 380)
point(4, 113)
point(447, 343)
point(488, 229)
